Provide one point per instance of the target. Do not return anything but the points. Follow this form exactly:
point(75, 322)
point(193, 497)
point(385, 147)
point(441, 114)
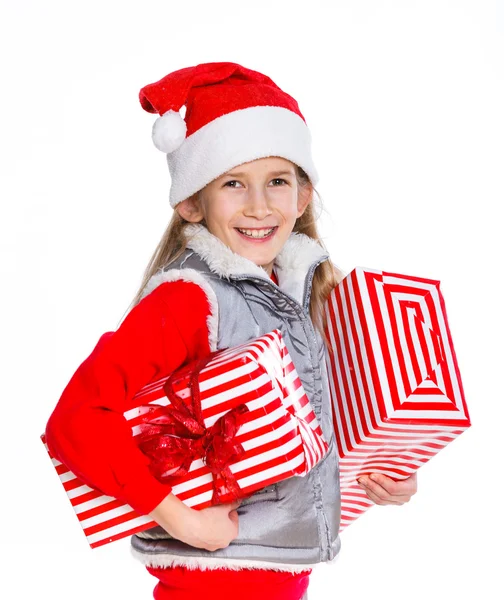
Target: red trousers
point(181, 583)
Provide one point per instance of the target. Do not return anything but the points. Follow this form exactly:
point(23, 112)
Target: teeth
point(256, 233)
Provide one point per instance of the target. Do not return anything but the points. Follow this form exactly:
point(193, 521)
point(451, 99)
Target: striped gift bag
point(279, 434)
point(396, 389)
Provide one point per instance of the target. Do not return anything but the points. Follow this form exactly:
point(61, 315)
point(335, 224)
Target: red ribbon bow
point(174, 436)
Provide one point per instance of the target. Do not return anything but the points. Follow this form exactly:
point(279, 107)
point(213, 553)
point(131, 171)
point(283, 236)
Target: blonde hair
point(326, 277)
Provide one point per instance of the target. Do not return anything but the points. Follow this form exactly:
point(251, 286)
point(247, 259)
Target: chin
point(261, 260)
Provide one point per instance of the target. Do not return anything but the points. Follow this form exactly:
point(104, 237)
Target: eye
point(282, 181)
point(231, 181)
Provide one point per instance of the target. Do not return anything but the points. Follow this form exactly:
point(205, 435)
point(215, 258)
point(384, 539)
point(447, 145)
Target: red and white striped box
point(396, 389)
point(280, 434)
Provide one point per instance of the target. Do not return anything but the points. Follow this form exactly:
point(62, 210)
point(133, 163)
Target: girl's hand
point(216, 527)
point(384, 490)
point(210, 528)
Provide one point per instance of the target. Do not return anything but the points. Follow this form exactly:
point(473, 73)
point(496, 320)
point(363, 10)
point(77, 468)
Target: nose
point(257, 204)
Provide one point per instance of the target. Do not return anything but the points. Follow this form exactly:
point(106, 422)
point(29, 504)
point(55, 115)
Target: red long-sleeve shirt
point(87, 431)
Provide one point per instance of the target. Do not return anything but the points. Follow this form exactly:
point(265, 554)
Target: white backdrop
point(404, 100)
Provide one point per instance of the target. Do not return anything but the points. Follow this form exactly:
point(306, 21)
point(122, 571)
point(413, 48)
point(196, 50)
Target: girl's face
point(252, 208)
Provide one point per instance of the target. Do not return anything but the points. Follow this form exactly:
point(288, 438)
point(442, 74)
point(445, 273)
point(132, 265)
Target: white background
point(405, 103)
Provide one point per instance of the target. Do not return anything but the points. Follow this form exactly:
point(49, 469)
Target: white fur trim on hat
point(235, 138)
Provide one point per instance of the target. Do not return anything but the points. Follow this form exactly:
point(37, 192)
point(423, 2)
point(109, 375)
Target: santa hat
point(233, 115)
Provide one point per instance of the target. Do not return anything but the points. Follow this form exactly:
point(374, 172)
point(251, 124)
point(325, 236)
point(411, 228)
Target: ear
point(190, 209)
point(305, 195)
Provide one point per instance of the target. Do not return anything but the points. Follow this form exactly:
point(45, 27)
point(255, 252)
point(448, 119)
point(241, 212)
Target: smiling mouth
point(257, 234)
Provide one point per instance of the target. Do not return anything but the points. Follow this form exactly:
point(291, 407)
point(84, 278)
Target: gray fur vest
point(294, 524)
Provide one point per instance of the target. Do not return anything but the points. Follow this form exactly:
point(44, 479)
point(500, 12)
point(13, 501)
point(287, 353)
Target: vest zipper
point(308, 281)
point(307, 284)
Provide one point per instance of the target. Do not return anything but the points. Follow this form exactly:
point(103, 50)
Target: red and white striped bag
point(396, 389)
point(279, 434)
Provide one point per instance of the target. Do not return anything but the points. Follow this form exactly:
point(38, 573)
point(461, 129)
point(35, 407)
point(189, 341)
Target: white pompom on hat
point(233, 115)
point(169, 131)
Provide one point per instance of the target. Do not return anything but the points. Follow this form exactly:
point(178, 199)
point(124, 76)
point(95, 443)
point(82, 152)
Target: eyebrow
point(271, 173)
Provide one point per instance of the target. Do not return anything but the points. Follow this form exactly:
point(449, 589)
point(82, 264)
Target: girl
point(240, 257)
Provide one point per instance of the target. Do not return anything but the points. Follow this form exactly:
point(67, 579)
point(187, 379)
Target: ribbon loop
point(174, 436)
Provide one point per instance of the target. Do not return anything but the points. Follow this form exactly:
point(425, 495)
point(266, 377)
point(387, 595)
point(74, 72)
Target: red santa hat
point(233, 115)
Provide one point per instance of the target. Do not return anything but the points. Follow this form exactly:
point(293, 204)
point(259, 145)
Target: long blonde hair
point(326, 277)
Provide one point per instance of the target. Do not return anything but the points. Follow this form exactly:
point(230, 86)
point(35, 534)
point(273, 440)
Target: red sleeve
point(87, 430)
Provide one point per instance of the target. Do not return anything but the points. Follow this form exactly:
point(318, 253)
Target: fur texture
point(169, 131)
point(204, 563)
point(218, 147)
point(298, 253)
point(291, 264)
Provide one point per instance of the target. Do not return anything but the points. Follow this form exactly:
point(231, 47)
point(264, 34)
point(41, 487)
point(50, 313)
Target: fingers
point(383, 490)
point(382, 481)
point(413, 482)
point(233, 516)
point(225, 507)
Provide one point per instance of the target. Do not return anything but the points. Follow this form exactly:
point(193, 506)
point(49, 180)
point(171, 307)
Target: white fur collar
point(299, 253)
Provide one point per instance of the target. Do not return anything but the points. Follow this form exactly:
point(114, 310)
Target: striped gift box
point(280, 434)
point(396, 390)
